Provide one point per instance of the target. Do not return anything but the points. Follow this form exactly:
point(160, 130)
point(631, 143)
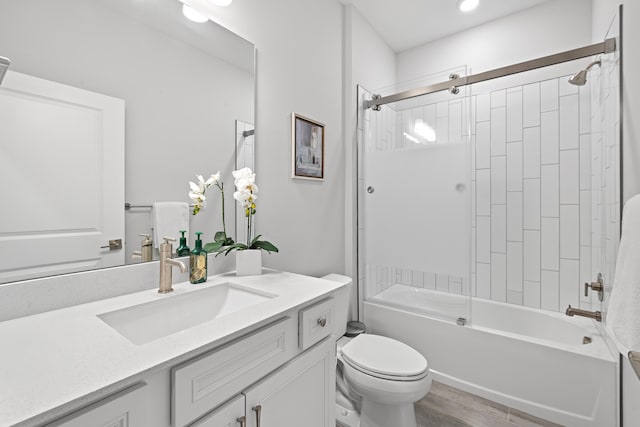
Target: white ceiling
point(404, 24)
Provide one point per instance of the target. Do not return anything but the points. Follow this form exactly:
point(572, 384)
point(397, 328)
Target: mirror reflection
point(111, 102)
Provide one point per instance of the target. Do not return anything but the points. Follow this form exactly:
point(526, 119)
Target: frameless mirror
point(87, 76)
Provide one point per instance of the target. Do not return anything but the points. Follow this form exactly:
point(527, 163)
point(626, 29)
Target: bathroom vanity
point(236, 351)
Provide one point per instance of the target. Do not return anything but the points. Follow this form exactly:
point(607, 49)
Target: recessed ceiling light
point(468, 5)
point(222, 3)
point(193, 15)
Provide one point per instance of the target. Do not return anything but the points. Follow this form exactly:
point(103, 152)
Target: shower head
point(580, 79)
point(4, 64)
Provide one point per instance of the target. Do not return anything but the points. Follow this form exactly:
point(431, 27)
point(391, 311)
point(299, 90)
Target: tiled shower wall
point(532, 207)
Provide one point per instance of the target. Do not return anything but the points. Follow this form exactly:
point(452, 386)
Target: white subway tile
point(570, 231)
point(483, 239)
point(407, 277)
point(514, 116)
point(483, 281)
point(565, 88)
point(586, 275)
point(442, 282)
point(585, 108)
point(531, 153)
point(429, 280)
point(549, 137)
point(455, 122)
point(514, 297)
point(550, 290)
point(483, 192)
point(514, 166)
point(442, 130)
point(531, 105)
point(514, 216)
point(483, 108)
point(498, 277)
point(442, 109)
point(585, 162)
point(550, 244)
point(570, 285)
point(585, 218)
point(550, 191)
point(531, 295)
point(531, 202)
point(514, 266)
point(499, 228)
point(531, 256)
point(417, 279)
point(498, 98)
point(569, 129)
point(483, 145)
point(569, 176)
point(498, 131)
point(499, 179)
point(549, 95)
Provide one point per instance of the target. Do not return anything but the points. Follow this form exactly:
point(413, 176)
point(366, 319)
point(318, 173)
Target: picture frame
point(307, 148)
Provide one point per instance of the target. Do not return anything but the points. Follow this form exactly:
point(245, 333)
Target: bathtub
point(528, 359)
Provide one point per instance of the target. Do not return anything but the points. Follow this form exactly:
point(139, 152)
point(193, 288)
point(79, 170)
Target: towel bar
point(634, 358)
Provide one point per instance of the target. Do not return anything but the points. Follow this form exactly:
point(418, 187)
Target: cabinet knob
point(242, 420)
point(322, 321)
point(258, 410)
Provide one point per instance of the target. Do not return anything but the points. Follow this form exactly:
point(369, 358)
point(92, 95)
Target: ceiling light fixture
point(467, 5)
point(221, 3)
point(193, 15)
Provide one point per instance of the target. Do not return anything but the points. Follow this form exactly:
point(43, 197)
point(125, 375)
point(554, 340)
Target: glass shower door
point(414, 204)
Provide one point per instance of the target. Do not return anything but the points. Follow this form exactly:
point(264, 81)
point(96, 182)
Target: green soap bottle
point(198, 262)
point(183, 249)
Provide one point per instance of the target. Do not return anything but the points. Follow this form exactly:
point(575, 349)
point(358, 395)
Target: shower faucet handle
point(597, 286)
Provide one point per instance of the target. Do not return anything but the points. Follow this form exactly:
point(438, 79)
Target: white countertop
point(55, 362)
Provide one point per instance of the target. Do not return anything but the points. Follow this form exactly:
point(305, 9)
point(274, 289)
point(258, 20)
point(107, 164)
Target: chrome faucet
point(584, 313)
point(167, 264)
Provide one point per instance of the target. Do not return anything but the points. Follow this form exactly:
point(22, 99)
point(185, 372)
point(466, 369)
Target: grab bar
point(634, 358)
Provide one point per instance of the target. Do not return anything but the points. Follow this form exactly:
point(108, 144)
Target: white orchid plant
point(197, 196)
point(246, 194)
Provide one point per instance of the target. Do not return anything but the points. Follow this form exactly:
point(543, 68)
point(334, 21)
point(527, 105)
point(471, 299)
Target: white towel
point(168, 219)
point(623, 312)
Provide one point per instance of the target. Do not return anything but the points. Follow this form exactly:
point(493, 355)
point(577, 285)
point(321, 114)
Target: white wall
point(534, 32)
point(299, 69)
point(603, 13)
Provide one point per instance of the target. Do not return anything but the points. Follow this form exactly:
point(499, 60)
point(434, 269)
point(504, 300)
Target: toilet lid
point(384, 357)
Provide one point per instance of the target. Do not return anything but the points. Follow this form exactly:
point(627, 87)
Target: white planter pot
point(248, 262)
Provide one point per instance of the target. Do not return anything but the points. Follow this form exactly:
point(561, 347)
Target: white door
point(302, 393)
point(62, 178)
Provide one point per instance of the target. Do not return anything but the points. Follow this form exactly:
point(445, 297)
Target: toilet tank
point(342, 302)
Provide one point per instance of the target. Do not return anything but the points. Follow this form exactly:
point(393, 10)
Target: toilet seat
point(384, 358)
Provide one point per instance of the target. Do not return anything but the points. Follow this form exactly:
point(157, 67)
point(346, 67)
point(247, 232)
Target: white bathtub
point(527, 359)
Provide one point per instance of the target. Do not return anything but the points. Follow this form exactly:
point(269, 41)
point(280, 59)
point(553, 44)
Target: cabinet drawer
point(202, 384)
point(316, 322)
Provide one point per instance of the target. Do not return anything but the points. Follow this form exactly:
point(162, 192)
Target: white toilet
point(378, 381)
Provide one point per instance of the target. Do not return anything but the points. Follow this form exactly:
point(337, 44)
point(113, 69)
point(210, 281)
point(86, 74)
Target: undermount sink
point(174, 313)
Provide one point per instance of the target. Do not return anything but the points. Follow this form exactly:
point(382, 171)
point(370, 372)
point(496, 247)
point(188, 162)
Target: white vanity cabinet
point(301, 393)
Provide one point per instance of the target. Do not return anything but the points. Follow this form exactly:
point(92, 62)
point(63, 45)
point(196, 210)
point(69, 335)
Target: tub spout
point(584, 313)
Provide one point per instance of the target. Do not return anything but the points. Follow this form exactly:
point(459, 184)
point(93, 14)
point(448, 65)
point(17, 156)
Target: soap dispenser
point(183, 249)
point(198, 262)
point(146, 249)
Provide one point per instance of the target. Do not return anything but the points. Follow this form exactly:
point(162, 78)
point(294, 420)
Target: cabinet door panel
point(225, 416)
point(302, 393)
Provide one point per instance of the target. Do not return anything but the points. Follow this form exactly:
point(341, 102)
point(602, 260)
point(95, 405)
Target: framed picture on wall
point(307, 148)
